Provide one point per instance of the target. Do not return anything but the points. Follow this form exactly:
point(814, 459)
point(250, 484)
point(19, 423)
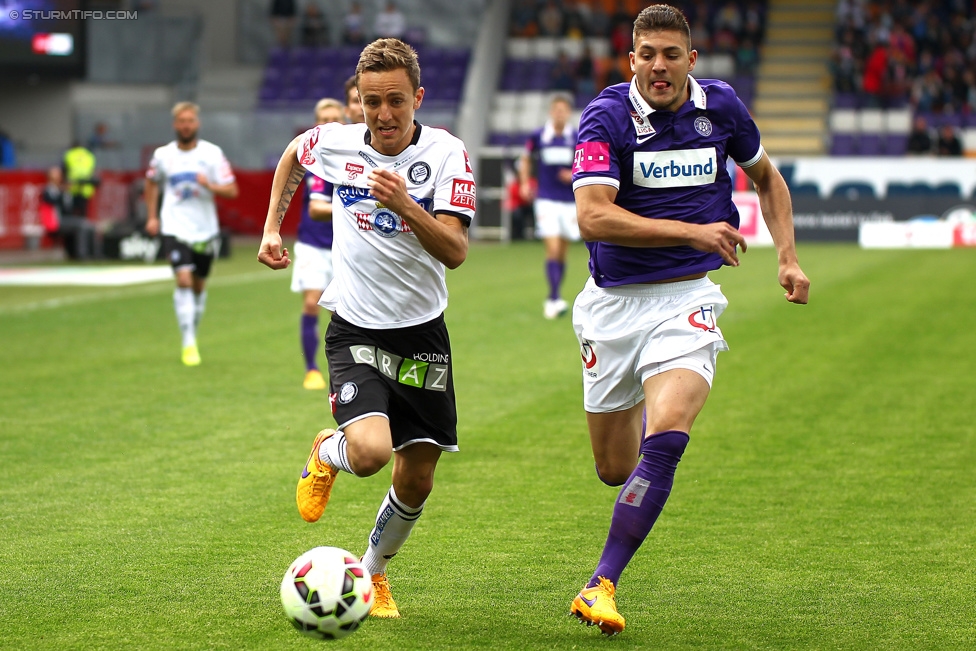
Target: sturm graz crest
point(386, 223)
point(348, 392)
point(418, 172)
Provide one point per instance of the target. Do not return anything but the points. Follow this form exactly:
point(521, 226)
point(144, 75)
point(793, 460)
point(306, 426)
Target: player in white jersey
point(404, 199)
point(192, 172)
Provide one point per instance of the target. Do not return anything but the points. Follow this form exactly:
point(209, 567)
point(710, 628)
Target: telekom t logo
point(592, 157)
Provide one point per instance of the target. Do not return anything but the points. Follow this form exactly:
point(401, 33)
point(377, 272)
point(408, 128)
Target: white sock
point(183, 302)
point(200, 306)
point(394, 522)
point(333, 452)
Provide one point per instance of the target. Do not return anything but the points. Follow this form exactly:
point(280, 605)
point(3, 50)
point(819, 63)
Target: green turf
point(826, 500)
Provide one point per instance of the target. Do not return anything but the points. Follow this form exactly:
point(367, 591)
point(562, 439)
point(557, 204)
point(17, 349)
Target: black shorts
point(197, 257)
point(402, 373)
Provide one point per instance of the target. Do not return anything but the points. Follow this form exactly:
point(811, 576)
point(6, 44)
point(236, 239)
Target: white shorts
point(556, 219)
point(312, 268)
point(632, 332)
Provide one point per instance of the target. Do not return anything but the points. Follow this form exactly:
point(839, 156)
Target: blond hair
point(324, 103)
point(179, 107)
point(385, 54)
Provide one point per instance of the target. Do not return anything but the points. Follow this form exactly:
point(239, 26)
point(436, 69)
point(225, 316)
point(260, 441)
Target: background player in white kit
point(192, 172)
point(404, 199)
point(655, 207)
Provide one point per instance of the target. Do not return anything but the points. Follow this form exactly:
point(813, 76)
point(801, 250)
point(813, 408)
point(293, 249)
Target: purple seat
point(870, 144)
point(498, 139)
point(278, 56)
point(845, 100)
point(896, 144)
point(842, 144)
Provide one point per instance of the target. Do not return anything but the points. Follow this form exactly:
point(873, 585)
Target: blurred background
point(867, 106)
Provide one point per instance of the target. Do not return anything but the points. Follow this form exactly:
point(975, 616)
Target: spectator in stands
point(574, 19)
point(353, 26)
point(524, 18)
point(283, 14)
point(390, 23)
point(585, 75)
point(948, 143)
point(563, 75)
point(99, 138)
point(746, 57)
point(598, 20)
point(551, 20)
point(919, 140)
point(314, 27)
point(8, 157)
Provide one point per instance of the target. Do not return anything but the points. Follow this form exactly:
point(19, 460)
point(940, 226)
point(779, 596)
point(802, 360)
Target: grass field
point(827, 499)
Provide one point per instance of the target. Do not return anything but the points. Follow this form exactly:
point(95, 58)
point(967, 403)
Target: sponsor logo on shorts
point(463, 194)
point(703, 318)
point(418, 173)
point(308, 145)
point(634, 493)
point(589, 358)
point(675, 168)
point(411, 372)
point(348, 393)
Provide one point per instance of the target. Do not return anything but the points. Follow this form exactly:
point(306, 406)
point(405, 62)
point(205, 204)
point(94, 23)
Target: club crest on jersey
point(308, 145)
point(703, 318)
point(386, 222)
point(418, 173)
point(703, 125)
point(354, 170)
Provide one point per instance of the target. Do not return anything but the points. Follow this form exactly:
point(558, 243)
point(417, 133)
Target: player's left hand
point(795, 282)
point(390, 189)
point(203, 181)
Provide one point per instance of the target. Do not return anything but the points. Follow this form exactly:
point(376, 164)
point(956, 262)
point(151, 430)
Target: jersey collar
point(549, 132)
point(637, 100)
point(368, 137)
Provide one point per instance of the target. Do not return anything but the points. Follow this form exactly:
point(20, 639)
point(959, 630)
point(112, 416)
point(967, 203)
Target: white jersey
point(383, 276)
point(188, 211)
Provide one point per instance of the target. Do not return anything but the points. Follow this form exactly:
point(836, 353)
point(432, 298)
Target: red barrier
point(20, 193)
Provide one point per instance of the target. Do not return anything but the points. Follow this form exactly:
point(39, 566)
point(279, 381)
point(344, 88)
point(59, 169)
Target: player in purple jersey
point(654, 203)
point(313, 252)
point(551, 149)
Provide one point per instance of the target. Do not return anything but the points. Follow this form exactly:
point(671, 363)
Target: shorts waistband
point(652, 290)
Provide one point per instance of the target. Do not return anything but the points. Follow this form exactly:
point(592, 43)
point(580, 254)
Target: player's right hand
point(721, 238)
point(271, 253)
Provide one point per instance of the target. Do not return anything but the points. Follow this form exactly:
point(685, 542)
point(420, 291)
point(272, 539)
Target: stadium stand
point(894, 61)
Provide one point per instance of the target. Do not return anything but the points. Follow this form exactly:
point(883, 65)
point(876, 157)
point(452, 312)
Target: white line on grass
point(156, 288)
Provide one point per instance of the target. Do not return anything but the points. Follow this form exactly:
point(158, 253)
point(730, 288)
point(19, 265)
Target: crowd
point(893, 53)
point(313, 29)
point(732, 27)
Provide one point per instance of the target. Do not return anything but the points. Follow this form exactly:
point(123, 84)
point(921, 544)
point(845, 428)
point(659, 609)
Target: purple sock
point(554, 272)
point(310, 340)
point(640, 502)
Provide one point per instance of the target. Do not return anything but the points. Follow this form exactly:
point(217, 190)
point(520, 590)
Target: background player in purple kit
point(655, 208)
point(551, 150)
point(312, 272)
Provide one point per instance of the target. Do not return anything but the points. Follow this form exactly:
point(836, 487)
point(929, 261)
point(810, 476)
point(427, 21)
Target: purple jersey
point(311, 232)
point(552, 152)
point(665, 165)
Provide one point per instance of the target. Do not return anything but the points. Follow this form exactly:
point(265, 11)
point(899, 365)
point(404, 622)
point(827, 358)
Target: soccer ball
point(326, 593)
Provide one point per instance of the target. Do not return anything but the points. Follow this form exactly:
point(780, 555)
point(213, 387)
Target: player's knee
point(612, 476)
point(368, 458)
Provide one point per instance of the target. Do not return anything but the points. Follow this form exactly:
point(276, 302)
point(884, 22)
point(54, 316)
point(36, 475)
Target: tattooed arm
point(287, 177)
